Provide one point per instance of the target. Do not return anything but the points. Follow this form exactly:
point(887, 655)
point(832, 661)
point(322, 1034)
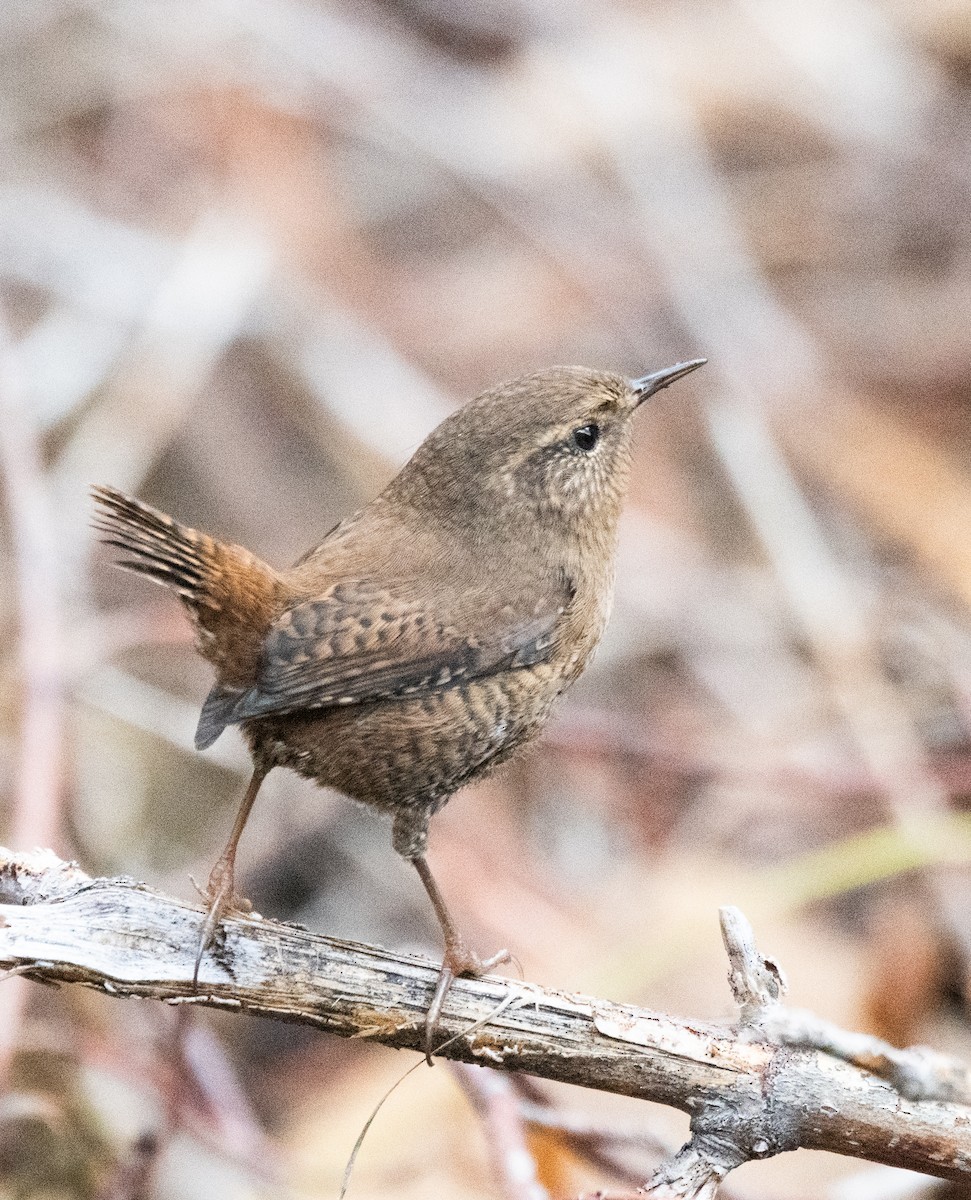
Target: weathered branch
point(723, 1138)
point(758, 985)
point(750, 1095)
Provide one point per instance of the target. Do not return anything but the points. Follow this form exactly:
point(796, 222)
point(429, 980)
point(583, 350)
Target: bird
point(426, 639)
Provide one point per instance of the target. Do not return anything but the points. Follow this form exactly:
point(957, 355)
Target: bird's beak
point(647, 385)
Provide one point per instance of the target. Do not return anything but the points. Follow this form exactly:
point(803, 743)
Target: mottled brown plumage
point(427, 637)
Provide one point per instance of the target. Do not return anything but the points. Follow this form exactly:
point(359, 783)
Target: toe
point(221, 902)
point(237, 906)
point(495, 960)
point(221, 897)
point(461, 960)
point(434, 1013)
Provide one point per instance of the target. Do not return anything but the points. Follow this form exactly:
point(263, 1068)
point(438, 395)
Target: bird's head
point(549, 450)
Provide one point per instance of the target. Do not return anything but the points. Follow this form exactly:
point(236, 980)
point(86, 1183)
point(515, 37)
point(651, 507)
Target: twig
point(722, 1138)
point(208, 1070)
point(603, 1144)
point(495, 1099)
point(758, 985)
point(36, 562)
point(37, 797)
point(599, 1143)
point(748, 1094)
point(133, 1178)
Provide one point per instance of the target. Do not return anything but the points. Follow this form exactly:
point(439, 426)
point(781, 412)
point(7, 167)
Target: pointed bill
point(647, 385)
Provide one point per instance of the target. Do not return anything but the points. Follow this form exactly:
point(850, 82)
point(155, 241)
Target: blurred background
point(250, 254)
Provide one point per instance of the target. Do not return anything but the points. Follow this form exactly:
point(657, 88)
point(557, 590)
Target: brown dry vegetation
point(249, 255)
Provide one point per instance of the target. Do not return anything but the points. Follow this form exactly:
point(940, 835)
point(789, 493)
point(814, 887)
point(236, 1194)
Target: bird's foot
point(221, 901)
point(459, 960)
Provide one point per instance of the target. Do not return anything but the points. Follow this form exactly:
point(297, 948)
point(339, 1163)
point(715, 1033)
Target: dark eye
point(586, 437)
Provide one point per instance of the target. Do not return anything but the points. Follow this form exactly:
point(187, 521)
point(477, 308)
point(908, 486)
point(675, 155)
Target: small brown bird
point(427, 637)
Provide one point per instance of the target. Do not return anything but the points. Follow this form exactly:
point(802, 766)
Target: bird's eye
point(586, 437)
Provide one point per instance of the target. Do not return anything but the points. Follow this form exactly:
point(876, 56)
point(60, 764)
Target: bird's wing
point(361, 642)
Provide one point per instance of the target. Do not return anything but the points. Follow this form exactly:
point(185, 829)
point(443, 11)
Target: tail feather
point(166, 566)
point(159, 547)
point(230, 594)
point(168, 575)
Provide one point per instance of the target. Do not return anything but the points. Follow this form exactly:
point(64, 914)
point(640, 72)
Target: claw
point(459, 960)
point(222, 902)
point(220, 893)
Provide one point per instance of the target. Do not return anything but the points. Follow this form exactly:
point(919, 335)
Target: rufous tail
point(230, 594)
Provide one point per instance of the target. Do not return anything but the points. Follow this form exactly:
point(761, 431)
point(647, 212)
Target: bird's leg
point(459, 959)
point(410, 839)
point(220, 891)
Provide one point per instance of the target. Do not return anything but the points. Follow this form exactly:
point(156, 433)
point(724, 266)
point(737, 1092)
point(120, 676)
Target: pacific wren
point(427, 637)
